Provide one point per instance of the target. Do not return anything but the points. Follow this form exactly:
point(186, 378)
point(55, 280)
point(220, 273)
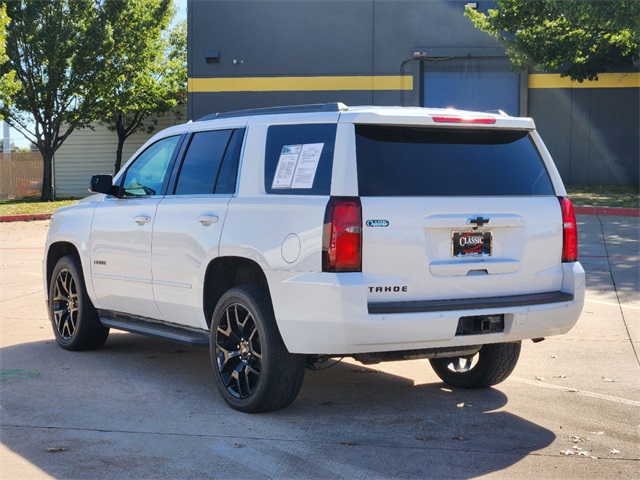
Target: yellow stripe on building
point(605, 80)
point(301, 84)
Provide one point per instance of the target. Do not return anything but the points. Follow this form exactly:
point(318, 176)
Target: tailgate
point(447, 248)
point(454, 213)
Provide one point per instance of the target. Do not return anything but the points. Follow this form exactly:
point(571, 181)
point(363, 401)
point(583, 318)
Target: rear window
point(406, 161)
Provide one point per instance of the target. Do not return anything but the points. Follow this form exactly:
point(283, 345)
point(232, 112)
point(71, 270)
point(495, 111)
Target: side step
point(154, 328)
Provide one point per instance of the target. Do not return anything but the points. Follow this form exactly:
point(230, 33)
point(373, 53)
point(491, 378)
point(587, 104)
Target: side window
point(211, 163)
point(228, 175)
point(201, 164)
point(299, 159)
point(147, 173)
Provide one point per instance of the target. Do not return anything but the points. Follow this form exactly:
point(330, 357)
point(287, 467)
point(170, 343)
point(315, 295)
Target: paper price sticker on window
point(297, 166)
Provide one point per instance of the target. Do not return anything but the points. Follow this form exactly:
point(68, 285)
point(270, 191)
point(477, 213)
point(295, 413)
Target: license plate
point(471, 243)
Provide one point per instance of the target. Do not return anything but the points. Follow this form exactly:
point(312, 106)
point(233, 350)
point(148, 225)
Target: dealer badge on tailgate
point(471, 244)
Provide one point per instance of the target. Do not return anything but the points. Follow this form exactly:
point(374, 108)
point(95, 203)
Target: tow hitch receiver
point(478, 324)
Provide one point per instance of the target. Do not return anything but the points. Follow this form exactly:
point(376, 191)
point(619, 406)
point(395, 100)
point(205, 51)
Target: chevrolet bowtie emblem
point(478, 221)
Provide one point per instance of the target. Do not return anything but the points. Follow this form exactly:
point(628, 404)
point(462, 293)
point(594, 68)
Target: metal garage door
point(471, 83)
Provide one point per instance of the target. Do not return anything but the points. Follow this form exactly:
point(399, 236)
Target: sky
point(181, 13)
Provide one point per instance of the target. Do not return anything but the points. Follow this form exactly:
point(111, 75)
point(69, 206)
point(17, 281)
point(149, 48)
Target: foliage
point(140, 74)
point(56, 48)
point(580, 38)
point(8, 84)
point(72, 58)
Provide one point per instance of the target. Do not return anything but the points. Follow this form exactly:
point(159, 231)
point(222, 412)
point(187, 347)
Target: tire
point(75, 321)
point(490, 366)
point(253, 369)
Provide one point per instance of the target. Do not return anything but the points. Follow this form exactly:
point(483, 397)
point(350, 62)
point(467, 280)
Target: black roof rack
point(315, 107)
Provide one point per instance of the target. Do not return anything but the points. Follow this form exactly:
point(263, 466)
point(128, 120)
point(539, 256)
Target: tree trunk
point(48, 193)
point(123, 130)
point(121, 139)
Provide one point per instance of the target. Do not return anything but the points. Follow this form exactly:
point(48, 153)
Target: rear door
point(452, 213)
point(189, 220)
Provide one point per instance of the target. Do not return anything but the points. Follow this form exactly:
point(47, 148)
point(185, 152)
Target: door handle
point(142, 219)
point(208, 219)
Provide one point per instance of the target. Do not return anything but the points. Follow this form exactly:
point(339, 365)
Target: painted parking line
point(613, 304)
point(584, 393)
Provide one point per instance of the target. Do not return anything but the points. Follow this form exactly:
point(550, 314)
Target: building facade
point(258, 53)
point(92, 151)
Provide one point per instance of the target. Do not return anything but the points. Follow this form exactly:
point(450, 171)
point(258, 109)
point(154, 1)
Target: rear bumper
point(508, 301)
point(324, 313)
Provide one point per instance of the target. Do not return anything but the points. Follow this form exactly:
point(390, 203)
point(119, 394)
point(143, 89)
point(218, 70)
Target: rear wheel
point(253, 369)
point(490, 366)
point(74, 318)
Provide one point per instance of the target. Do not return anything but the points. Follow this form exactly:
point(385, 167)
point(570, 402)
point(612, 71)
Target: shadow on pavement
point(142, 407)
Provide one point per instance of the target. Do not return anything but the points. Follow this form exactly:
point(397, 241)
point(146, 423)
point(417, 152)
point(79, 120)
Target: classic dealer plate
point(471, 243)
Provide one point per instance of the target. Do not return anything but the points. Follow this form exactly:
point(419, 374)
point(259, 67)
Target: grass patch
point(605, 195)
point(29, 206)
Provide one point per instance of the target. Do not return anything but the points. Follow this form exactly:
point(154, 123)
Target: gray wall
point(315, 37)
point(593, 134)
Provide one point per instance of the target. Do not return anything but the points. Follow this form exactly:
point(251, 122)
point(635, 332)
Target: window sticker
point(297, 166)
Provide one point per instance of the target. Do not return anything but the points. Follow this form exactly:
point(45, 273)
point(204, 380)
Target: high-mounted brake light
point(342, 236)
point(569, 231)
point(452, 119)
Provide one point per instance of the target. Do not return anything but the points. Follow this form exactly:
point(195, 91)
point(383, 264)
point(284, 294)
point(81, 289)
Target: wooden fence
point(20, 175)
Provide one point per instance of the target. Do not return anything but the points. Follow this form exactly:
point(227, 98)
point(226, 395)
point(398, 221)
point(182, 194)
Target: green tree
point(56, 48)
point(140, 75)
point(8, 84)
point(579, 38)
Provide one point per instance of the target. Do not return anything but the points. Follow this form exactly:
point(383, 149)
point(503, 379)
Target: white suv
point(282, 237)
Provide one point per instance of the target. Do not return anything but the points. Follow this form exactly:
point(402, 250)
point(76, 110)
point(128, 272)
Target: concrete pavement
point(146, 408)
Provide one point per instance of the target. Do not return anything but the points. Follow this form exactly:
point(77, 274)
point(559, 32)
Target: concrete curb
point(580, 210)
point(614, 211)
point(25, 218)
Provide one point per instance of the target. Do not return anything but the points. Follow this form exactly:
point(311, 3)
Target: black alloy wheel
point(490, 366)
point(65, 304)
point(238, 351)
point(75, 322)
point(253, 369)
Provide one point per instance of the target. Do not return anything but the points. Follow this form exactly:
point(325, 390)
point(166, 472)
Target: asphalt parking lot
point(147, 408)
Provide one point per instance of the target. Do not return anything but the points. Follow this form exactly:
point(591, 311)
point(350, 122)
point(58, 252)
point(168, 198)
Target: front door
point(121, 234)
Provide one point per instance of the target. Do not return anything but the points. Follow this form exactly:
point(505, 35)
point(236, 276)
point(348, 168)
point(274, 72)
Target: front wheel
point(253, 369)
point(490, 366)
point(75, 321)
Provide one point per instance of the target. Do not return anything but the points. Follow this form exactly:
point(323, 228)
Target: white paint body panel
point(120, 255)
point(186, 234)
point(158, 269)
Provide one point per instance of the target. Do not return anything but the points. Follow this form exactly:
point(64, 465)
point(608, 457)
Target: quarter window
point(299, 159)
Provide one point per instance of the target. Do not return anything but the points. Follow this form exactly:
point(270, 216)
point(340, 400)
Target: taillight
point(454, 119)
point(569, 231)
point(342, 236)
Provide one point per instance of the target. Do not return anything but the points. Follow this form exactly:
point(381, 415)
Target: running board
point(154, 328)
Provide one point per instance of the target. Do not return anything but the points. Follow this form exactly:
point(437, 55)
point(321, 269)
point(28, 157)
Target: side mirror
point(103, 184)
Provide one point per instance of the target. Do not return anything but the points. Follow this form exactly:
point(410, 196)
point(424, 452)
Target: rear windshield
point(407, 161)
